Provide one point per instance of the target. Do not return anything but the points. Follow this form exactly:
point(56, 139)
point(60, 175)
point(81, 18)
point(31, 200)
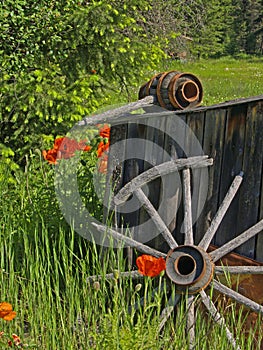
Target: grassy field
point(44, 265)
point(223, 79)
point(226, 79)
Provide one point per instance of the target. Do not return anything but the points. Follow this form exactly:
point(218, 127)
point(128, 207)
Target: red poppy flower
point(67, 147)
point(50, 156)
point(105, 131)
point(149, 265)
point(58, 142)
point(102, 147)
point(64, 147)
point(87, 148)
point(17, 340)
point(6, 311)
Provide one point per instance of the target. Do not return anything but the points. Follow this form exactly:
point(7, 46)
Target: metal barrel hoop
point(173, 90)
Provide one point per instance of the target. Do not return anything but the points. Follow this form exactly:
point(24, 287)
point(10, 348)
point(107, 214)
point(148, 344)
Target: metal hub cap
point(190, 268)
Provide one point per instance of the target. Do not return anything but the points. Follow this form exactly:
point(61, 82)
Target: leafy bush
point(59, 63)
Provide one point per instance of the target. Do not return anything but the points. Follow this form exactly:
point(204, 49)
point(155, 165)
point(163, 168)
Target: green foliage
point(107, 37)
point(44, 264)
point(211, 35)
point(7, 164)
point(29, 32)
point(247, 28)
point(59, 63)
point(47, 105)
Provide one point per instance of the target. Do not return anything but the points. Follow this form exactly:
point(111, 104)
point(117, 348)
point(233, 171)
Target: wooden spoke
point(157, 171)
point(238, 297)
point(167, 311)
point(255, 270)
point(217, 317)
point(156, 218)
point(109, 276)
point(190, 322)
point(236, 242)
point(188, 225)
point(208, 236)
point(129, 241)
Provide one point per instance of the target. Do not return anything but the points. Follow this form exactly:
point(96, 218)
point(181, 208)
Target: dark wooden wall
point(232, 134)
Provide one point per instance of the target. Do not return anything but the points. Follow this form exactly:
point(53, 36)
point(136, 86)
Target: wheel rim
point(196, 278)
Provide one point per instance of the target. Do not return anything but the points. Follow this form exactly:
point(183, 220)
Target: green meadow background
point(62, 61)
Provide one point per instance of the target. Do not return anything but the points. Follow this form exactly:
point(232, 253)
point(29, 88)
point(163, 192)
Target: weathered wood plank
point(129, 217)
point(154, 155)
point(259, 136)
point(195, 122)
point(249, 193)
point(131, 170)
point(231, 166)
point(227, 104)
point(121, 114)
point(174, 145)
point(213, 146)
point(116, 115)
point(115, 168)
point(231, 133)
point(259, 241)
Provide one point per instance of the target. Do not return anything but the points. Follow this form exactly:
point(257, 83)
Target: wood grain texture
point(249, 193)
point(232, 161)
point(231, 134)
point(213, 146)
point(196, 122)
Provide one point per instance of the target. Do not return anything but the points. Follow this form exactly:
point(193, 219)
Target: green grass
point(58, 309)
point(44, 265)
point(226, 79)
point(222, 80)
point(44, 269)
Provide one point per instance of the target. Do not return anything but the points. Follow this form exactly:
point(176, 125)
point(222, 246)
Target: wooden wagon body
point(232, 134)
point(179, 180)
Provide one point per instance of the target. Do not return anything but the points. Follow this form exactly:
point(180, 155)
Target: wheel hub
point(190, 268)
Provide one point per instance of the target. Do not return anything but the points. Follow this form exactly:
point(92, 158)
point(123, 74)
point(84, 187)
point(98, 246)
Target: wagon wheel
point(191, 268)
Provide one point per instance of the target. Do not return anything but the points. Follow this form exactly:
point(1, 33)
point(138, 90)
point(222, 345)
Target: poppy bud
point(96, 285)
point(116, 274)
point(138, 287)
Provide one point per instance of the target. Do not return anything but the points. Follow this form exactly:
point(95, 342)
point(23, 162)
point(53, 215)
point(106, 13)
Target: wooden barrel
point(173, 90)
